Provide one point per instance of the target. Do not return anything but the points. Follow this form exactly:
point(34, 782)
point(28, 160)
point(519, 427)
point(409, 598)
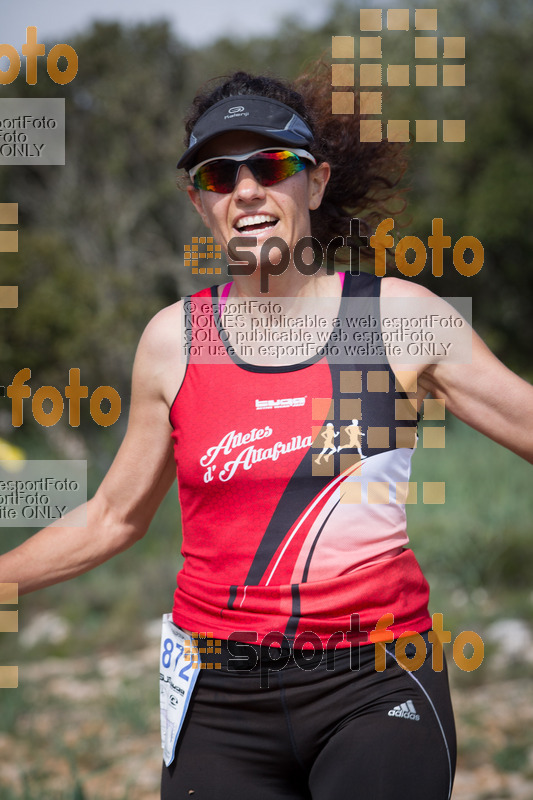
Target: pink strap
point(223, 298)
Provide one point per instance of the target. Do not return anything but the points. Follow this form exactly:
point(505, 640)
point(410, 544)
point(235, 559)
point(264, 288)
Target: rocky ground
point(81, 731)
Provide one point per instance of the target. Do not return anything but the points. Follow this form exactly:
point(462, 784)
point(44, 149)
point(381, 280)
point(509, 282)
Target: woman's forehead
point(233, 143)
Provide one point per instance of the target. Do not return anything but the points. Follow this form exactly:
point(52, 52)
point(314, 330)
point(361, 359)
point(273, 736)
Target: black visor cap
point(248, 112)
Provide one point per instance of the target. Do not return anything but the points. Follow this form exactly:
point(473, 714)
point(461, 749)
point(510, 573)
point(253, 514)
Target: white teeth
point(255, 220)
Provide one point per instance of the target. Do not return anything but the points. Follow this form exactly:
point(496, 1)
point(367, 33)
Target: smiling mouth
point(256, 223)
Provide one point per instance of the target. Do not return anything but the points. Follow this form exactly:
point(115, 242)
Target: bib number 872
point(166, 657)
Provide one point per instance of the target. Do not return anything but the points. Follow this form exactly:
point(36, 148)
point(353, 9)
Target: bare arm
point(121, 510)
point(487, 396)
point(484, 393)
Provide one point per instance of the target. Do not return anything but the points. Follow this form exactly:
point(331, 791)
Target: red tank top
point(287, 480)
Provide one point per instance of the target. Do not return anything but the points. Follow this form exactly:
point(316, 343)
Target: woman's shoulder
point(163, 337)
point(399, 287)
point(164, 326)
point(167, 327)
point(160, 360)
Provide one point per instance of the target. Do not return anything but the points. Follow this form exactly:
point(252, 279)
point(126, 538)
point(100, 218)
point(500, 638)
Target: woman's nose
point(247, 185)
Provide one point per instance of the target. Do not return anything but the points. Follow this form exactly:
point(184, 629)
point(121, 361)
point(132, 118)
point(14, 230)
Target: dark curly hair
point(364, 175)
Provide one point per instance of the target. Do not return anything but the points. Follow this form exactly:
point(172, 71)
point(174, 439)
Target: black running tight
point(316, 733)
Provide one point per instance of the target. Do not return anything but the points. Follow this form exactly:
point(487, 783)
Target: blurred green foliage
point(481, 535)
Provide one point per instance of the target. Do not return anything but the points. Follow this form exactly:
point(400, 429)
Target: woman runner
point(296, 569)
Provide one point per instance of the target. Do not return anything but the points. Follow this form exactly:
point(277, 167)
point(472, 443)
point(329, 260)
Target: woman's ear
point(196, 200)
point(318, 179)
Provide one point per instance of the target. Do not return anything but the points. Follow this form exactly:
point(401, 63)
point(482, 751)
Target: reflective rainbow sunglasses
point(268, 166)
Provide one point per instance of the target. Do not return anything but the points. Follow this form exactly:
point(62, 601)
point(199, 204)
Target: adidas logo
point(405, 710)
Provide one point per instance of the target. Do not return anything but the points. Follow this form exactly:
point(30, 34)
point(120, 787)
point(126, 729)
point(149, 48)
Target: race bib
point(179, 666)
